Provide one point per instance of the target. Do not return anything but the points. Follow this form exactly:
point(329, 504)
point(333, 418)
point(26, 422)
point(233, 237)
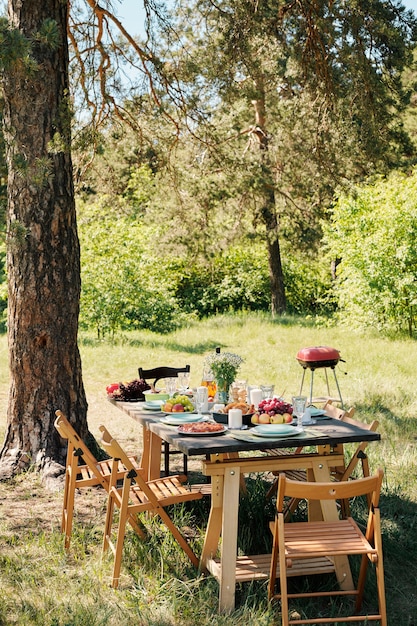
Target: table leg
point(214, 524)
point(229, 539)
point(154, 464)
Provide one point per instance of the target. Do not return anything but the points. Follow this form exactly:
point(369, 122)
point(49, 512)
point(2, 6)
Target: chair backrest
point(359, 454)
point(161, 372)
point(337, 412)
point(369, 486)
point(114, 449)
point(77, 446)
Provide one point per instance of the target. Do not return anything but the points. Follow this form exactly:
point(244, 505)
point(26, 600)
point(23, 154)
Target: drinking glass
point(200, 400)
point(267, 391)
point(183, 381)
point(170, 386)
point(299, 407)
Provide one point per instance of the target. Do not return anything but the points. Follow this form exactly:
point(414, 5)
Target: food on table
point(273, 411)
point(112, 388)
point(132, 390)
point(246, 408)
point(178, 404)
point(201, 427)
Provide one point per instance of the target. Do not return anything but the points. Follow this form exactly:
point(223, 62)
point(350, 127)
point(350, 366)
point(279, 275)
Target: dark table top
point(323, 432)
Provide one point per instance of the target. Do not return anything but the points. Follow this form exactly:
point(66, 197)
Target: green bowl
point(151, 397)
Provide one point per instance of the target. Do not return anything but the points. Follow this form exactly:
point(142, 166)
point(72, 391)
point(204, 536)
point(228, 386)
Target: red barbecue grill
point(319, 357)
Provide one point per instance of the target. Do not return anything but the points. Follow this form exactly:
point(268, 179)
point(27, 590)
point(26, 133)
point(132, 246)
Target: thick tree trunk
point(43, 256)
point(268, 210)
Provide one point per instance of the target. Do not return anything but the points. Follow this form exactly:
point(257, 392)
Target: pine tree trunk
point(43, 257)
point(268, 210)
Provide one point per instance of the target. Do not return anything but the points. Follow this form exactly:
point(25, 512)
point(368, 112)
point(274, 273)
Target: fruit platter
point(178, 404)
point(273, 411)
point(132, 391)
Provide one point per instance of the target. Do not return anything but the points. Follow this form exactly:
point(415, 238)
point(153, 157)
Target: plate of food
point(182, 418)
point(276, 430)
point(202, 429)
point(247, 411)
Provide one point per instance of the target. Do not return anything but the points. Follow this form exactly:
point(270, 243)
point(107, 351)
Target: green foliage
point(374, 233)
point(122, 288)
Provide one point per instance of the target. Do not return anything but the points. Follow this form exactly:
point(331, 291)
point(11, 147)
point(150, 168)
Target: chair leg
point(68, 506)
point(166, 458)
point(178, 536)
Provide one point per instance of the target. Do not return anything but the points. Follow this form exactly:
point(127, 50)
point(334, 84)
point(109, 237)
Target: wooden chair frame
point(156, 374)
point(90, 473)
point(301, 541)
point(137, 496)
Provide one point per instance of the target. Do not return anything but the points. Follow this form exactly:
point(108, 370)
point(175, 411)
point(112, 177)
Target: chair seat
point(167, 490)
point(86, 477)
point(325, 539)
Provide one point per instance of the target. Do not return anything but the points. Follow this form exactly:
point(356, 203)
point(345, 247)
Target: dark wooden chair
point(152, 376)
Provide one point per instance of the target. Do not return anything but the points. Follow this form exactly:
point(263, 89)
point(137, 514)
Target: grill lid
point(318, 356)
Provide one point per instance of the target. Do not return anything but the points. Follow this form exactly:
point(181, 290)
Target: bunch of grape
point(272, 406)
point(131, 391)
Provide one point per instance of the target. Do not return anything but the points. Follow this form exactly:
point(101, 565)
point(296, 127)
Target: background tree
point(312, 91)
point(374, 233)
point(42, 248)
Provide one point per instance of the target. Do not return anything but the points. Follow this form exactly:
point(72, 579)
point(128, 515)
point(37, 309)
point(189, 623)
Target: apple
point(112, 388)
point(254, 419)
point(178, 408)
point(264, 418)
point(167, 407)
point(277, 419)
point(287, 418)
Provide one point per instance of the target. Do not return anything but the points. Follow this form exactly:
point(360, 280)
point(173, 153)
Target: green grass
point(40, 584)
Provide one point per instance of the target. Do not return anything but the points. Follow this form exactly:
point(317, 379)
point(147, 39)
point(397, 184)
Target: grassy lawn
point(41, 585)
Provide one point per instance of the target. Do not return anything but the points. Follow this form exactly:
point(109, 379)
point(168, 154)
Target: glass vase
point(223, 387)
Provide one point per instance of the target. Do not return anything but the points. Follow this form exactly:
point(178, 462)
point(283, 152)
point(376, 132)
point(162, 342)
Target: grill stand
point(312, 369)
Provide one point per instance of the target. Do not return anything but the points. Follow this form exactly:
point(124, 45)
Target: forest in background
point(254, 150)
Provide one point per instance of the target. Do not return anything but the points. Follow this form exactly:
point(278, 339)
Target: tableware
point(264, 430)
point(267, 391)
point(155, 397)
point(170, 385)
point(183, 381)
point(153, 406)
point(299, 405)
point(174, 420)
point(316, 412)
point(203, 433)
point(201, 400)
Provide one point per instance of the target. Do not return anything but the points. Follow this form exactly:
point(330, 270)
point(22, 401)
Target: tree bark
point(43, 257)
point(268, 210)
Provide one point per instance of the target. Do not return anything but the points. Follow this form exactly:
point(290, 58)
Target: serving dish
point(276, 431)
point(222, 418)
point(202, 429)
point(177, 420)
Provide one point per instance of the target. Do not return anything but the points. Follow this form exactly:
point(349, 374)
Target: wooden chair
point(297, 542)
point(137, 496)
point(82, 470)
point(358, 457)
point(152, 376)
point(332, 411)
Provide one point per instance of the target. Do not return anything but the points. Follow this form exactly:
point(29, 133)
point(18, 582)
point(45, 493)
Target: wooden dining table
point(225, 459)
